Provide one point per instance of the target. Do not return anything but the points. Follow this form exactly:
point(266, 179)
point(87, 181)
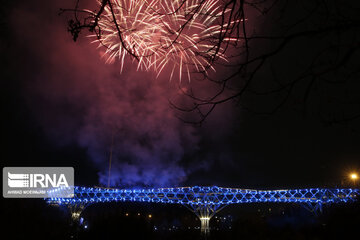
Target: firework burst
point(138, 30)
point(181, 36)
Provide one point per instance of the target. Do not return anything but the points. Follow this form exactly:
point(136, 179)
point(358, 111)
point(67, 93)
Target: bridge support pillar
point(205, 228)
point(316, 208)
point(76, 221)
point(205, 212)
point(75, 212)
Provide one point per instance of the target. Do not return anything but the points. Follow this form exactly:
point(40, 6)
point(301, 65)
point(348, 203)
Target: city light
point(354, 176)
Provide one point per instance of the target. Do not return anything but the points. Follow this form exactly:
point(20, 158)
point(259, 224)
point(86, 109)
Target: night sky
point(62, 104)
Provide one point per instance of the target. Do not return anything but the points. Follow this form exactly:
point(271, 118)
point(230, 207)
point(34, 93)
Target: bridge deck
point(204, 195)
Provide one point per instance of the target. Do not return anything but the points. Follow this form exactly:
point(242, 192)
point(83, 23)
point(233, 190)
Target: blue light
point(202, 196)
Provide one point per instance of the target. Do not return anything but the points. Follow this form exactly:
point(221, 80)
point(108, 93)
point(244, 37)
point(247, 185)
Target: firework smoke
point(76, 100)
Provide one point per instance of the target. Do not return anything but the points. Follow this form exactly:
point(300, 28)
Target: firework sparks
point(179, 35)
point(137, 27)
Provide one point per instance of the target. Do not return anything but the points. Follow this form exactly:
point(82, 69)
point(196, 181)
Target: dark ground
point(24, 218)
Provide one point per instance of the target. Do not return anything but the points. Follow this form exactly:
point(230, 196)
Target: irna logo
point(16, 180)
point(38, 182)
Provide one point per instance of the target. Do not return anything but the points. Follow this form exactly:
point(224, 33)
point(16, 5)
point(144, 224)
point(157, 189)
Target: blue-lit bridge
point(205, 202)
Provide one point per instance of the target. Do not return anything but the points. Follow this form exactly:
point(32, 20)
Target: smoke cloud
point(78, 99)
point(132, 120)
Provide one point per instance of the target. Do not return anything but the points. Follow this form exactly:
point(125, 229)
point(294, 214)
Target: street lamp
point(354, 177)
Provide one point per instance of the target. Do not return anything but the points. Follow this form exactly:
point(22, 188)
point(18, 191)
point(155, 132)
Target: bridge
point(205, 202)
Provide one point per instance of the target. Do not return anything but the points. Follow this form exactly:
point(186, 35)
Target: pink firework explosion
point(179, 35)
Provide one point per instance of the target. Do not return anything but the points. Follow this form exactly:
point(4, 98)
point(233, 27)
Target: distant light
point(150, 216)
point(138, 214)
point(354, 176)
point(126, 214)
point(85, 226)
